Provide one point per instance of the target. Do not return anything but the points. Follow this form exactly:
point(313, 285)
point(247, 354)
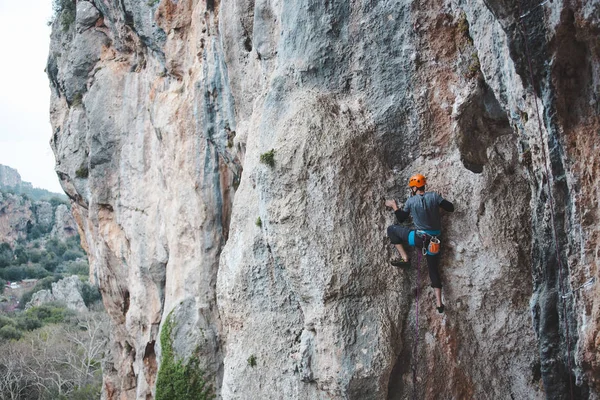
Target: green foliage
point(83, 172)
point(4, 321)
point(20, 255)
point(77, 100)
point(56, 201)
point(90, 294)
point(252, 361)
point(463, 27)
point(27, 322)
point(34, 194)
point(37, 231)
point(177, 380)
point(64, 11)
point(6, 255)
point(34, 232)
point(77, 268)
point(258, 222)
point(23, 271)
point(50, 313)
point(152, 3)
point(56, 246)
point(72, 254)
point(12, 273)
point(5, 247)
point(9, 332)
point(34, 271)
point(268, 158)
point(34, 255)
point(50, 261)
point(474, 66)
point(91, 391)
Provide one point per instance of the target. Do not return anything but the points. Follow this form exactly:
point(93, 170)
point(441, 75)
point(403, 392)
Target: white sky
point(25, 93)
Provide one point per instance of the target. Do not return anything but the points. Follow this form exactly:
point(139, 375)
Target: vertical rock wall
point(277, 277)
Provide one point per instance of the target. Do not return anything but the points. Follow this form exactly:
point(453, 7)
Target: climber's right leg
point(399, 235)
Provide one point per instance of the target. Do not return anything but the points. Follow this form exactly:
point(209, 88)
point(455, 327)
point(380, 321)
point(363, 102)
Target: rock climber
point(424, 207)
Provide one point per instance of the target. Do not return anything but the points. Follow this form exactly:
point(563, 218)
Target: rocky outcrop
point(9, 177)
point(276, 276)
point(64, 225)
point(24, 209)
point(19, 216)
point(15, 217)
point(67, 291)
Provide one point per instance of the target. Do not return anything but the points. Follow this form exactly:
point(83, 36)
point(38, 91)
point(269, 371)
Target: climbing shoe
point(441, 309)
point(399, 262)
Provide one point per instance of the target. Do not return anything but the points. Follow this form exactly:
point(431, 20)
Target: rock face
point(19, 215)
point(15, 215)
point(64, 225)
point(67, 291)
point(9, 177)
point(277, 276)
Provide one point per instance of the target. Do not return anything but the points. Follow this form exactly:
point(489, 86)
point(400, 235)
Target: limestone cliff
point(278, 277)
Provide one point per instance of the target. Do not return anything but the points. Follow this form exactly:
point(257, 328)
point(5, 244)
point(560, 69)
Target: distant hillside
point(11, 182)
point(38, 235)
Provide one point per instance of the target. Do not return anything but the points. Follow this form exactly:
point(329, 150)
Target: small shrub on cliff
point(176, 380)
point(474, 67)
point(77, 100)
point(82, 172)
point(268, 158)
point(258, 222)
point(64, 10)
point(252, 361)
point(463, 27)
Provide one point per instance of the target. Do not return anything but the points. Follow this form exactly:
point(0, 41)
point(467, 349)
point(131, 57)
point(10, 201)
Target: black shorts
point(399, 235)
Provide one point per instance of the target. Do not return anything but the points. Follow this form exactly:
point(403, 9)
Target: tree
point(14, 381)
point(9, 332)
point(20, 256)
point(56, 361)
point(6, 255)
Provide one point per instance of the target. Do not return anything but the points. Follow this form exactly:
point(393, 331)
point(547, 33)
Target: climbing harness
point(550, 196)
point(431, 243)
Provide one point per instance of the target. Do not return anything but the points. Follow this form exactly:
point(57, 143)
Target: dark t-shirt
point(425, 210)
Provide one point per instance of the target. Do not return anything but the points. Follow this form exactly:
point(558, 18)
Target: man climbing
point(424, 207)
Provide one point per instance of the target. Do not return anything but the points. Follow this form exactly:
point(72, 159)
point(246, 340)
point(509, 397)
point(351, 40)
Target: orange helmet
point(417, 180)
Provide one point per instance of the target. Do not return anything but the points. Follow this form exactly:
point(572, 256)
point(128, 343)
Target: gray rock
point(86, 15)
point(64, 225)
point(15, 217)
point(40, 297)
point(9, 177)
point(44, 213)
point(68, 291)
